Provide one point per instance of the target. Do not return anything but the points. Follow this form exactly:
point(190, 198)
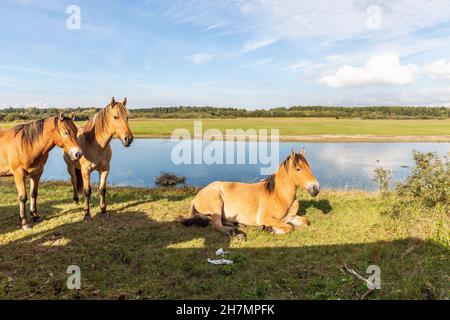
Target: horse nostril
point(316, 189)
point(127, 141)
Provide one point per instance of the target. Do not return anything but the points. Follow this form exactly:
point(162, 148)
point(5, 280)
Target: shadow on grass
point(133, 256)
point(47, 209)
point(323, 205)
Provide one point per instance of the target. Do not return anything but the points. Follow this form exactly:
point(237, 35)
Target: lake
point(336, 165)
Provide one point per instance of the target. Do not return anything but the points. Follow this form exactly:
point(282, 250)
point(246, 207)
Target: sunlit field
point(141, 252)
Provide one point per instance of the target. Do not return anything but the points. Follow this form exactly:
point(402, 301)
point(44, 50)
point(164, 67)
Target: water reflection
point(336, 165)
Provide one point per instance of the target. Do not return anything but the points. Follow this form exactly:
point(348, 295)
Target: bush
point(429, 182)
point(382, 177)
point(428, 186)
point(169, 179)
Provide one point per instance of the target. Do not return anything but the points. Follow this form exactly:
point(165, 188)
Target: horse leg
point(217, 224)
point(34, 185)
point(87, 190)
point(19, 179)
point(102, 192)
point(293, 218)
point(73, 179)
point(277, 226)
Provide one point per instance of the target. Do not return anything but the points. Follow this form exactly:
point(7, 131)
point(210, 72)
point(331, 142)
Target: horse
point(270, 203)
point(24, 151)
point(94, 139)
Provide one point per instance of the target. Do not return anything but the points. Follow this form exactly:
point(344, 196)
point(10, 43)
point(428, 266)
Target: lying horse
point(270, 203)
point(24, 151)
point(94, 139)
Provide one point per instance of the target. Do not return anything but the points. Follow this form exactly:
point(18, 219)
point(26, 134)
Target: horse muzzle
point(126, 141)
point(75, 154)
point(314, 189)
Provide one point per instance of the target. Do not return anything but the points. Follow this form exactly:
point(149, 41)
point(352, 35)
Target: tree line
point(187, 112)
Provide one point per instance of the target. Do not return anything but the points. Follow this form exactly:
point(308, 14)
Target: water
point(336, 165)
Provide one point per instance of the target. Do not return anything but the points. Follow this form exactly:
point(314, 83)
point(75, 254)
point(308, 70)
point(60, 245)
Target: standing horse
point(94, 139)
point(270, 203)
point(24, 151)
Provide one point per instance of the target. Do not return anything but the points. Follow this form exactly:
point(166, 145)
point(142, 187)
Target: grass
point(294, 127)
point(141, 252)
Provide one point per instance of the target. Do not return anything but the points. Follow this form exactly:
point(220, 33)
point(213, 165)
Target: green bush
point(382, 177)
point(427, 187)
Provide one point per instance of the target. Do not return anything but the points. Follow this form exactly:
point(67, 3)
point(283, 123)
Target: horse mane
point(98, 125)
point(31, 131)
point(269, 182)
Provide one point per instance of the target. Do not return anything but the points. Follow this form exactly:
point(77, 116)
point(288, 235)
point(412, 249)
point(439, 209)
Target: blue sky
point(252, 54)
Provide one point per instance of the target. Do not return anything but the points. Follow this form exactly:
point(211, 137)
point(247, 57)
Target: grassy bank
point(307, 129)
point(141, 252)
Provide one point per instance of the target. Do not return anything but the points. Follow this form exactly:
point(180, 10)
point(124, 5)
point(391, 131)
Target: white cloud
point(259, 63)
point(380, 69)
point(343, 18)
point(258, 44)
point(215, 26)
point(439, 69)
point(200, 58)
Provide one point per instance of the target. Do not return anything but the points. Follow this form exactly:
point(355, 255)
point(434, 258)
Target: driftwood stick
point(357, 275)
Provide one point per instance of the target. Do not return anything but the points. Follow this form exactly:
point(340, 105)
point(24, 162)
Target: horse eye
point(66, 133)
point(299, 169)
point(116, 117)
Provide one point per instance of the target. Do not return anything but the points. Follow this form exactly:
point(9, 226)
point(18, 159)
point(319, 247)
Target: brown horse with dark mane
point(24, 151)
point(94, 139)
point(270, 203)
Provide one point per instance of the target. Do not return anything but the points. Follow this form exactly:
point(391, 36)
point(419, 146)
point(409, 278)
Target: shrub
point(382, 177)
point(429, 181)
point(169, 179)
point(427, 187)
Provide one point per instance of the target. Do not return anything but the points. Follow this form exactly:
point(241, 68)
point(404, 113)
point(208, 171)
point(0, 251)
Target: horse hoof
point(75, 201)
point(104, 215)
point(36, 219)
point(87, 217)
point(268, 229)
point(27, 226)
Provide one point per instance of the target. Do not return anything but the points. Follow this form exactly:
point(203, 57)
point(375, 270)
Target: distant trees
point(187, 112)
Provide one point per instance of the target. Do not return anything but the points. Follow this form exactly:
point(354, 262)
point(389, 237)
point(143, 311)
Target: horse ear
point(292, 153)
point(113, 102)
point(302, 152)
point(61, 116)
point(124, 101)
point(72, 115)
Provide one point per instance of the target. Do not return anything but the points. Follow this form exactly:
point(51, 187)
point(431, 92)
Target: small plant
point(169, 179)
point(382, 177)
point(229, 269)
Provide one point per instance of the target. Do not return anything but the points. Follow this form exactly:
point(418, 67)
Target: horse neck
point(47, 141)
point(104, 137)
point(285, 189)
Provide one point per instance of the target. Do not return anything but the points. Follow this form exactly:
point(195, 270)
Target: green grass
point(303, 126)
point(141, 252)
point(298, 126)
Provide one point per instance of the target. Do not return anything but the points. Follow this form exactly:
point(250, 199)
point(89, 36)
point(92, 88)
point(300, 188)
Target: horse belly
point(5, 168)
point(5, 172)
point(241, 205)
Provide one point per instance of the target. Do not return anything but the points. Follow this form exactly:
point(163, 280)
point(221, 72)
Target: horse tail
point(194, 219)
point(79, 180)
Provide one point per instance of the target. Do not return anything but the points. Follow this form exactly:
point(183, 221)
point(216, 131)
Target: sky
point(250, 54)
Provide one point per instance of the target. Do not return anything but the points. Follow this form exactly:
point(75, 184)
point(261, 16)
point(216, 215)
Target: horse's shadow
point(322, 205)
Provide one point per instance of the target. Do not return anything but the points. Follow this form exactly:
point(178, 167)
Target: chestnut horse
point(24, 151)
point(94, 139)
point(270, 203)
